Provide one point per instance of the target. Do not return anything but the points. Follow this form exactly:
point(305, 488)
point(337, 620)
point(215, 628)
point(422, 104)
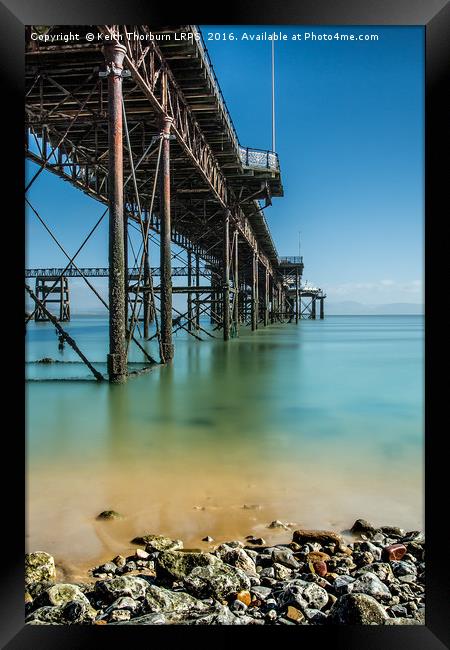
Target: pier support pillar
point(117, 364)
point(226, 277)
point(146, 298)
point(165, 259)
point(313, 308)
point(236, 284)
point(272, 301)
point(296, 296)
point(212, 308)
point(254, 305)
point(197, 295)
point(322, 313)
point(266, 297)
point(189, 297)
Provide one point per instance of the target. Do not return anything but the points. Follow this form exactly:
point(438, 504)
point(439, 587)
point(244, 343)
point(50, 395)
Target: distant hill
point(351, 307)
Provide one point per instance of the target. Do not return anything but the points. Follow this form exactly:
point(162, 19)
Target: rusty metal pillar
point(189, 297)
point(254, 311)
point(165, 251)
point(212, 306)
point(313, 308)
point(226, 277)
point(266, 298)
point(126, 282)
point(117, 364)
point(296, 295)
point(271, 305)
point(322, 312)
point(236, 284)
point(146, 298)
point(197, 295)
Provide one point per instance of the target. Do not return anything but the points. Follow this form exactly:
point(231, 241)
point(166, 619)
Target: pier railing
point(103, 272)
point(290, 260)
point(259, 158)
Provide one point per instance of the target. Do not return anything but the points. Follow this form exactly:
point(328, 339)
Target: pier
point(141, 126)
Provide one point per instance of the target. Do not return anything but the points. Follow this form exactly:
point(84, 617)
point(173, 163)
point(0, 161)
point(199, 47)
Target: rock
point(120, 615)
point(70, 613)
point(268, 572)
point(256, 541)
point(343, 584)
point(320, 568)
point(237, 557)
point(376, 551)
point(398, 611)
point(238, 606)
point(155, 543)
point(244, 596)
point(414, 536)
point(321, 537)
point(109, 514)
point(280, 572)
point(363, 526)
point(314, 615)
point(124, 602)
point(371, 585)
point(408, 579)
point(148, 619)
point(271, 615)
point(316, 597)
point(220, 615)
point(39, 566)
point(207, 539)
point(394, 552)
point(363, 559)
point(177, 564)
point(401, 568)
point(403, 621)
point(233, 544)
point(114, 588)
point(262, 593)
point(285, 557)
point(119, 561)
point(142, 555)
point(357, 609)
point(392, 531)
point(251, 553)
point(254, 506)
point(417, 550)
point(175, 605)
point(61, 594)
point(382, 570)
point(217, 580)
point(278, 524)
point(294, 614)
point(108, 567)
point(317, 556)
point(46, 360)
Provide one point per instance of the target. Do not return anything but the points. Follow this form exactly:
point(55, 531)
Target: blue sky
point(349, 134)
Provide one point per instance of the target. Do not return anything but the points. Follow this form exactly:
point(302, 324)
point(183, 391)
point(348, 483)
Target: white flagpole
point(273, 95)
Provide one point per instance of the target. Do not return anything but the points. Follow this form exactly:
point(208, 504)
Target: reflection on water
point(317, 423)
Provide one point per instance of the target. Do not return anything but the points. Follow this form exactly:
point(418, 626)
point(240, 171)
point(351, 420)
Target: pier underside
point(142, 127)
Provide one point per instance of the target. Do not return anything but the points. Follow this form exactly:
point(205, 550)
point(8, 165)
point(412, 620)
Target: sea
point(314, 424)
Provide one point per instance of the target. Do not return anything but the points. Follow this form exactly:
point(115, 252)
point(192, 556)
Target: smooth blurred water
point(317, 422)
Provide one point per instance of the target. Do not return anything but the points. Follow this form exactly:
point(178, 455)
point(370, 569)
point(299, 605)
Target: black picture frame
point(434, 15)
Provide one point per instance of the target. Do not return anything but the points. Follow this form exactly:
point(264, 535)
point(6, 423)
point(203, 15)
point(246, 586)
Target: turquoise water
point(317, 424)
